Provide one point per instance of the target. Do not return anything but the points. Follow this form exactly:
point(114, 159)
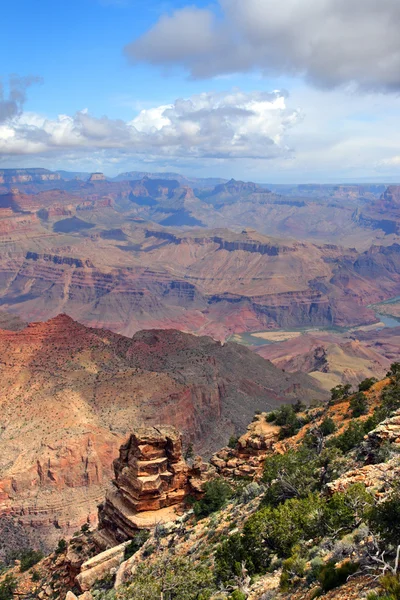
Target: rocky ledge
point(152, 480)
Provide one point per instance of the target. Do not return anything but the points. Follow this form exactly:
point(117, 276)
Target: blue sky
point(255, 90)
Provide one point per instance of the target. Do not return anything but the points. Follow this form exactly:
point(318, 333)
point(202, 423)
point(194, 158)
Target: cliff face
point(151, 482)
point(71, 394)
point(27, 175)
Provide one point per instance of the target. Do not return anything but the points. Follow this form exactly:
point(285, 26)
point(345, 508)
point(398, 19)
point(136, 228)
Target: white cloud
point(209, 125)
point(329, 42)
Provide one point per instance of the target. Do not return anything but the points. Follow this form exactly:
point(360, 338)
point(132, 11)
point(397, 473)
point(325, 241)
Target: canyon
point(71, 395)
point(145, 251)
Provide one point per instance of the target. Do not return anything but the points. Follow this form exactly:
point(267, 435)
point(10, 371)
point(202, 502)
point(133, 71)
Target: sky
point(275, 91)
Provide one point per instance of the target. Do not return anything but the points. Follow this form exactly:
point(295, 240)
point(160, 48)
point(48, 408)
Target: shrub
point(394, 372)
point(277, 530)
point(331, 577)
point(189, 452)
point(288, 421)
point(350, 438)
point(346, 509)
point(381, 453)
point(233, 440)
point(136, 543)
point(367, 384)
point(292, 568)
point(299, 406)
point(390, 400)
point(170, 578)
point(35, 576)
point(290, 475)
point(29, 558)
point(237, 595)
point(327, 426)
point(229, 558)
point(270, 417)
point(390, 586)
point(216, 493)
point(340, 392)
point(85, 528)
point(8, 587)
point(248, 492)
point(358, 405)
point(62, 546)
point(384, 519)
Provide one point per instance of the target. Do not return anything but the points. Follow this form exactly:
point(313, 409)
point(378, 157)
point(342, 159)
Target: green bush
point(292, 568)
point(340, 392)
point(216, 493)
point(390, 588)
point(8, 587)
point(287, 419)
point(233, 440)
point(394, 372)
point(277, 530)
point(299, 406)
point(229, 558)
point(237, 595)
point(367, 384)
point(62, 546)
point(170, 579)
point(136, 543)
point(291, 475)
point(327, 426)
point(384, 519)
point(270, 417)
point(35, 576)
point(350, 438)
point(345, 510)
point(358, 405)
point(29, 558)
point(331, 577)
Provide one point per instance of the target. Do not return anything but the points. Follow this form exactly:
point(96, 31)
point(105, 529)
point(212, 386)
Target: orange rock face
point(151, 482)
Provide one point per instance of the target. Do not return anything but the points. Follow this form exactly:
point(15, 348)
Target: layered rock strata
point(151, 483)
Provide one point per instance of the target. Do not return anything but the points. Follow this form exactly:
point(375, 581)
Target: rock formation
point(97, 177)
point(151, 482)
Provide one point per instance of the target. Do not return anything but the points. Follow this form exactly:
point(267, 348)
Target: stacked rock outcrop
point(151, 482)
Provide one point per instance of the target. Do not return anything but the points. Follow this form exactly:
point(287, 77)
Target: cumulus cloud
point(328, 42)
point(209, 125)
point(13, 98)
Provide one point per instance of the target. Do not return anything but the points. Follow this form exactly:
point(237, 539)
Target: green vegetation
point(385, 519)
point(189, 452)
point(8, 587)
point(62, 546)
point(216, 493)
point(288, 420)
point(340, 392)
point(367, 384)
point(331, 576)
point(233, 440)
point(394, 372)
point(289, 520)
point(136, 543)
point(390, 588)
point(351, 437)
point(171, 579)
point(358, 405)
point(29, 558)
point(327, 426)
